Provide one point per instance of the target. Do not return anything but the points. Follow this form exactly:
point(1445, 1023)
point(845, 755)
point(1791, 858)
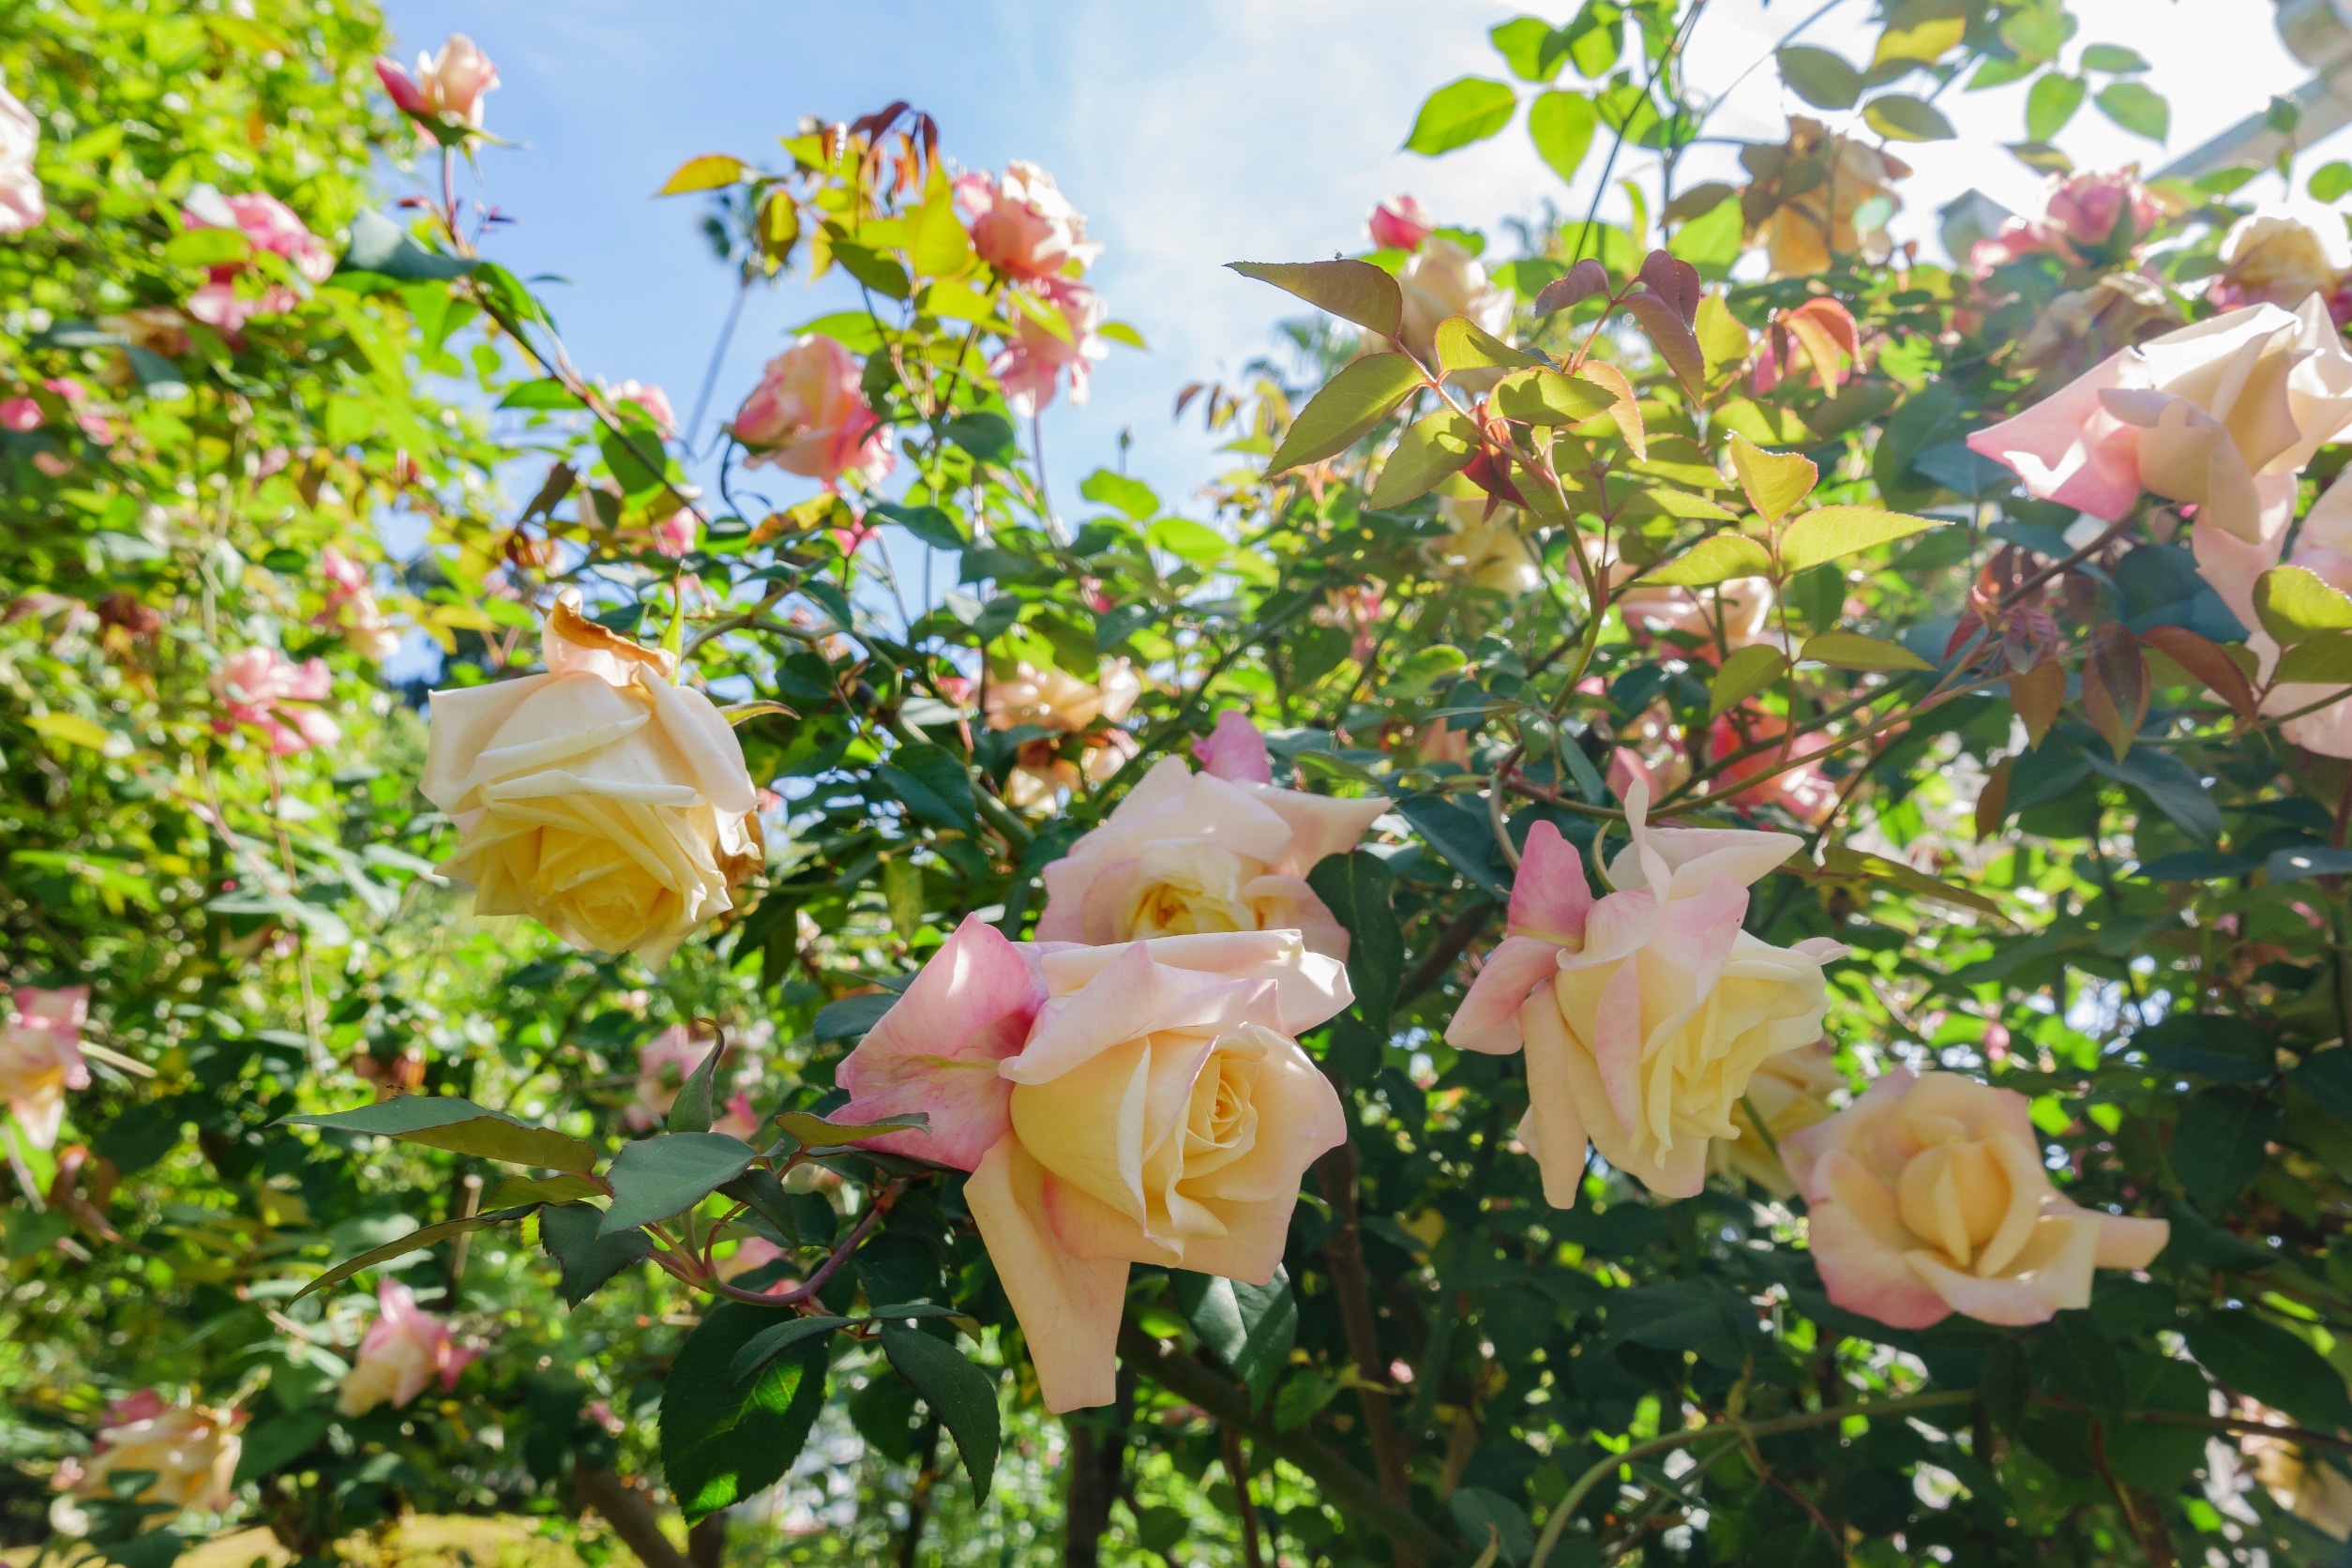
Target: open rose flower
point(261, 685)
point(598, 798)
point(1401, 223)
point(1645, 1015)
point(22, 203)
point(405, 1349)
point(1137, 1104)
point(1030, 365)
point(1444, 279)
point(190, 1451)
point(1195, 851)
point(1057, 700)
point(663, 1065)
point(2222, 414)
point(2323, 546)
point(808, 416)
point(1929, 1197)
point(2283, 253)
point(351, 604)
point(1024, 226)
point(41, 1057)
point(234, 291)
point(2108, 212)
point(1791, 1092)
point(448, 88)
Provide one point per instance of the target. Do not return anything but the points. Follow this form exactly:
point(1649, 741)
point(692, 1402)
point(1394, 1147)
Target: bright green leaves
point(1465, 110)
point(1774, 481)
point(1356, 292)
point(962, 1396)
point(1345, 411)
point(1549, 397)
point(1823, 79)
point(1847, 650)
point(2137, 108)
point(1718, 559)
point(658, 1177)
point(445, 1122)
point(2050, 103)
point(1919, 32)
point(1529, 46)
point(586, 1260)
point(1430, 450)
point(720, 1443)
point(1746, 672)
point(1561, 125)
point(710, 172)
point(2294, 603)
point(1462, 344)
point(1829, 533)
point(201, 247)
point(1899, 117)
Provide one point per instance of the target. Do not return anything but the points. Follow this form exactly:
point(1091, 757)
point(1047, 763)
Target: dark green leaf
point(2217, 1046)
point(985, 435)
point(930, 781)
point(852, 1016)
point(2255, 1356)
point(720, 1443)
point(668, 1174)
point(587, 1260)
point(691, 1111)
point(1250, 1327)
point(1465, 110)
point(2326, 1080)
point(2218, 1144)
point(1464, 837)
point(445, 1122)
point(815, 1131)
point(959, 1393)
point(1357, 887)
point(413, 1241)
point(280, 1441)
point(775, 1340)
point(1487, 1518)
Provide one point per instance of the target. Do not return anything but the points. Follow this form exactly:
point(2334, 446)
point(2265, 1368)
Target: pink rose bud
point(255, 685)
point(1401, 223)
point(447, 87)
point(41, 1057)
point(1024, 226)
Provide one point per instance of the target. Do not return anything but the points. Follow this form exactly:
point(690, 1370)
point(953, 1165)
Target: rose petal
point(1549, 897)
point(1488, 1019)
point(1068, 1308)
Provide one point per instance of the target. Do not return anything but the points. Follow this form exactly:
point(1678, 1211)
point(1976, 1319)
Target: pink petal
point(1309, 988)
point(1853, 1236)
point(938, 1047)
point(2069, 449)
point(1549, 897)
point(1488, 1019)
point(1068, 1308)
point(1235, 750)
point(1319, 824)
point(1132, 997)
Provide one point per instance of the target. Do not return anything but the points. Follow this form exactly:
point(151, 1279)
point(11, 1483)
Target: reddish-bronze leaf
point(2207, 661)
point(2114, 686)
point(1584, 280)
point(1662, 321)
point(2038, 694)
point(1992, 803)
point(1674, 281)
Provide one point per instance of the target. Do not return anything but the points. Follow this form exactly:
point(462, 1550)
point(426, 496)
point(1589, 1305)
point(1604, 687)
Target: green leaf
point(1773, 482)
point(1821, 78)
point(939, 246)
point(882, 274)
point(2137, 108)
point(1899, 117)
point(668, 1174)
point(2325, 659)
point(985, 434)
point(847, 1017)
point(2256, 1357)
point(930, 524)
point(959, 1393)
point(2050, 103)
point(2113, 58)
point(1354, 292)
point(815, 1131)
point(1748, 671)
point(775, 1340)
point(719, 1445)
point(1462, 344)
point(202, 248)
point(1250, 1327)
point(1425, 669)
point(380, 246)
point(1131, 496)
point(2218, 1144)
point(2330, 181)
point(1832, 533)
point(1461, 112)
point(1721, 338)
point(692, 1110)
point(710, 172)
point(545, 1189)
point(415, 1241)
point(930, 781)
point(2294, 603)
point(1187, 540)
point(1847, 650)
point(1429, 450)
point(1492, 1522)
point(1349, 404)
point(1465, 837)
point(1549, 397)
point(1561, 125)
point(1357, 887)
point(567, 1232)
point(2326, 1079)
point(281, 1441)
point(1529, 47)
point(1717, 559)
point(445, 1122)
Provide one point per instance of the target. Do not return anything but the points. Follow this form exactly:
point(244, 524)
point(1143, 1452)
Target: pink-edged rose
point(808, 416)
point(261, 685)
point(1030, 367)
point(405, 1349)
point(21, 203)
point(233, 294)
point(1646, 1013)
point(1192, 853)
point(1234, 749)
point(41, 1057)
point(1929, 1197)
point(2092, 211)
point(1146, 1103)
point(1401, 223)
point(2281, 253)
point(1024, 226)
point(190, 1450)
point(447, 88)
point(663, 1065)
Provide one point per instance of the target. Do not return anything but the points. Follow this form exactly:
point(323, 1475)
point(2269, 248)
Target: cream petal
point(1299, 1118)
point(1554, 1128)
point(2051, 1276)
point(705, 740)
point(1068, 1308)
point(1088, 1125)
point(464, 719)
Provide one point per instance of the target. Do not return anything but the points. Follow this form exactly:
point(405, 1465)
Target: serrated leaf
point(1851, 650)
point(720, 1444)
point(1900, 117)
point(1429, 450)
point(1624, 407)
point(1774, 481)
point(2325, 659)
point(1821, 78)
point(658, 1177)
point(929, 780)
point(1561, 124)
point(1546, 398)
point(2294, 603)
point(567, 1232)
point(446, 1121)
point(815, 1131)
point(1718, 559)
point(1748, 671)
point(773, 1341)
point(1347, 409)
point(710, 172)
point(1462, 344)
point(959, 1393)
point(2255, 1357)
point(1460, 113)
point(1355, 292)
point(415, 1241)
point(1831, 533)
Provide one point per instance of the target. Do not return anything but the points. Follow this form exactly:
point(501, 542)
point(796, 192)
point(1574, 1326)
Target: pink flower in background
point(1235, 750)
point(2283, 253)
point(754, 1252)
point(145, 1405)
point(447, 87)
point(1804, 792)
point(21, 415)
point(405, 1349)
point(663, 1063)
point(653, 400)
point(24, 414)
point(351, 604)
point(808, 416)
point(1030, 367)
point(737, 1119)
point(2084, 210)
point(269, 225)
point(41, 1057)
point(22, 203)
point(254, 687)
point(1024, 226)
point(1401, 223)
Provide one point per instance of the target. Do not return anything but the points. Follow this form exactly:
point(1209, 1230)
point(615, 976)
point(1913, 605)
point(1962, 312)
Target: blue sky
point(1191, 134)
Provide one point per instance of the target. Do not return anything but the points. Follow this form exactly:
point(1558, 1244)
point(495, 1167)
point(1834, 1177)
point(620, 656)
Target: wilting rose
point(351, 604)
point(41, 1057)
point(1058, 700)
point(256, 685)
point(597, 798)
point(268, 224)
point(1146, 1103)
point(1791, 1092)
point(1444, 279)
point(2222, 414)
point(808, 416)
point(405, 1349)
point(447, 88)
point(1401, 223)
point(190, 1450)
point(1193, 853)
point(1929, 1197)
point(1030, 367)
point(1485, 551)
point(21, 204)
point(1024, 226)
point(1803, 195)
point(663, 1065)
point(2283, 253)
point(1645, 1015)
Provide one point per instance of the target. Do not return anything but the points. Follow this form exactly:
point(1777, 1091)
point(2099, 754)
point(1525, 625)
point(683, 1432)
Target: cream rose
point(2311, 1487)
point(1485, 551)
point(1058, 700)
point(597, 798)
point(1929, 1197)
point(2283, 253)
point(1647, 1014)
point(405, 1349)
point(1791, 1092)
point(1140, 1104)
point(1190, 852)
point(41, 1057)
point(191, 1451)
